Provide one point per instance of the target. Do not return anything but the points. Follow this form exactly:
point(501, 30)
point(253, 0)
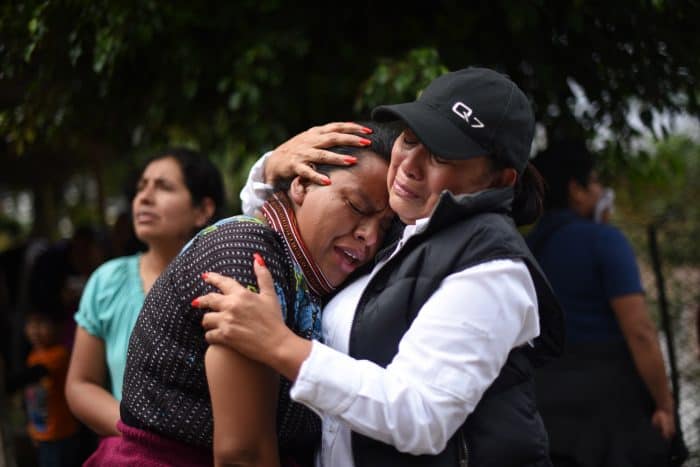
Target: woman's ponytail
point(528, 202)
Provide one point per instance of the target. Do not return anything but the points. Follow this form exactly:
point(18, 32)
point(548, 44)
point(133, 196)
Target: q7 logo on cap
point(464, 112)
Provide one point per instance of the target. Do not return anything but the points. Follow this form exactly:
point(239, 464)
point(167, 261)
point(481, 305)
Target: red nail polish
point(367, 131)
point(204, 275)
point(259, 259)
point(365, 142)
point(195, 303)
point(326, 181)
point(350, 160)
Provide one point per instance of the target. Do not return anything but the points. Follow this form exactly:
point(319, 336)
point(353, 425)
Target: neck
point(158, 257)
point(155, 260)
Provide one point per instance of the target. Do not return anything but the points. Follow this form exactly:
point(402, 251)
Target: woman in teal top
point(177, 194)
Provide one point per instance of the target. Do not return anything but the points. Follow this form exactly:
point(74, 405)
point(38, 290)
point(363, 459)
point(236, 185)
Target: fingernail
point(195, 303)
point(259, 259)
point(367, 131)
point(350, 160)
point(204, 275)
point(365, 142)
point(326, 181)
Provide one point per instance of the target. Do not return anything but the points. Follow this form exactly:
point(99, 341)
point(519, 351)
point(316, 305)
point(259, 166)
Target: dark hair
point(561, 162)
point(528, 192)
point(528, 201)
point(202, 177)
point(382, 137)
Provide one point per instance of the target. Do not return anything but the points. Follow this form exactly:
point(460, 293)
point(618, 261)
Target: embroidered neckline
point(279, 214)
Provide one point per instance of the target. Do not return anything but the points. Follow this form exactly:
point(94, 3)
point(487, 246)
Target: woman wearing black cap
point(441, 336)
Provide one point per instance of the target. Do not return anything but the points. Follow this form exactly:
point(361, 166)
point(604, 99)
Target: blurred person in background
point(607, 401)
point(178, 192)
point(50, 424)
point(59, 275)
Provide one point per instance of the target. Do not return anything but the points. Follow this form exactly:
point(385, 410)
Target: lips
point(349, 258)
point(402, 190)
point(144, 217)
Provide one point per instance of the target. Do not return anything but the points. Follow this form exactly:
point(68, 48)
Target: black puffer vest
point(505, 428)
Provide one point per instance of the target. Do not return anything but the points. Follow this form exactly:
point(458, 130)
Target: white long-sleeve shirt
point(452, 352)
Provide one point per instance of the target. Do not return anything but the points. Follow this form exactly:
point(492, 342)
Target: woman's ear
point(298, 189)
point(204, 212)
point(507, 177)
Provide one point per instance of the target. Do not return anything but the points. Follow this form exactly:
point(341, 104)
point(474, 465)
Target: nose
point(145, 194)
point(412, 164)
point(368, 231)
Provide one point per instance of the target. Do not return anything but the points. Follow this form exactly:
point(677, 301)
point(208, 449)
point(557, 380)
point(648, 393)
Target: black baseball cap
point(468, 113)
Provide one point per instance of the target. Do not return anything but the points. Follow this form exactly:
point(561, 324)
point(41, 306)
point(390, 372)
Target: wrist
point(667, 405)
point(290, 354)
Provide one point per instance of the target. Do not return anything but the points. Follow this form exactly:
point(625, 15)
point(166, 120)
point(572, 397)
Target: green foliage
point(87, 85)
point(399, 80)
point(661, 188)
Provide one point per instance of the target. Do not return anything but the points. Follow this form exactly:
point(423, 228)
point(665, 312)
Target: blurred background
point(88, 89)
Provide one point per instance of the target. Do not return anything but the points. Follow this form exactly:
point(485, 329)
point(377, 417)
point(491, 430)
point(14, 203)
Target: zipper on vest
point(463, 451)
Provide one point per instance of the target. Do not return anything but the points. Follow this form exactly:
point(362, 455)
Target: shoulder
point(119, 265)
point(227, 247)
point(492, 231)
point(235, 229)
point(610, 233)
point(613, 248)
point(609, 240)
point(113, 289)
point(114, 274)
point(50, 357)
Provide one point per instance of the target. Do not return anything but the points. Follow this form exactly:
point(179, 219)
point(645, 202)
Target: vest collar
point(451, 208)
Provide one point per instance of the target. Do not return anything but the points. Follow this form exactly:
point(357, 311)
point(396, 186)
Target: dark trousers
point(597, 410)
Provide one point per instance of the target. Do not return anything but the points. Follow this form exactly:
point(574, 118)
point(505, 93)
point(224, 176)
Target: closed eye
point(439, 160)
point(355, 208)
point(409, 142)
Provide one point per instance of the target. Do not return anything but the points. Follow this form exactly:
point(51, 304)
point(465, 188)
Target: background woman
point(178, 192)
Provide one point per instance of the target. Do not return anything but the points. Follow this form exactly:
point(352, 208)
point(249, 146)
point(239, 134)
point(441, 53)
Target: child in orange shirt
point(50, 423)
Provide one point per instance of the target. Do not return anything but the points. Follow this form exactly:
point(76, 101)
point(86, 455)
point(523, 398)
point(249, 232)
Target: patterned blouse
point(165, 387)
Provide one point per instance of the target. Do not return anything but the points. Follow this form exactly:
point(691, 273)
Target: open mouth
point(352, 257)
point(349, 258)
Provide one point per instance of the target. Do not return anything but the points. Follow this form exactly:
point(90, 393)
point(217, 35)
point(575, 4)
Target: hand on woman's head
point(299, 155)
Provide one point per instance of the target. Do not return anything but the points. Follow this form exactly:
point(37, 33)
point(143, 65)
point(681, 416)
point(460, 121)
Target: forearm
point(409, 414)
point(85, 385)
point(649, 362)
point(94, 406)
point(640, 334)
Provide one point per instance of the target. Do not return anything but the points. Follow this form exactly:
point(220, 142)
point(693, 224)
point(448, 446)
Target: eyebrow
point(158, 179)
point(368, 202)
